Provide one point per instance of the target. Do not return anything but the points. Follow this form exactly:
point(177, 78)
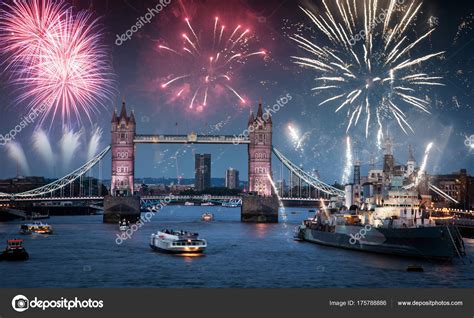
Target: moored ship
point(398, 227)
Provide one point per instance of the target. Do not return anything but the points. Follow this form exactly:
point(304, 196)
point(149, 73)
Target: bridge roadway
point(149, 197)
point(189, 139)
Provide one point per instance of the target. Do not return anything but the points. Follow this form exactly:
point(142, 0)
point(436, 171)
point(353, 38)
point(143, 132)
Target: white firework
point(365, 60)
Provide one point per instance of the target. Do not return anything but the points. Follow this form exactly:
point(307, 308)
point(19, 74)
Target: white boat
point(177, 242)
point(207, 204)
point(124, 225)
point(188, 203)
point(207, 217)
point(233, 203)
point(36, 228)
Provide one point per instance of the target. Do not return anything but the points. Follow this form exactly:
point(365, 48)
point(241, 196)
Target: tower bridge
point(260, 205)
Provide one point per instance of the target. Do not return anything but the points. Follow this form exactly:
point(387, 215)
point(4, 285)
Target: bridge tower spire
point(260, 153)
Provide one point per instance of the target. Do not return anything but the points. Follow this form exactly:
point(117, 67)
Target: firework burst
point(368, 65)
point(212, 61)
point(57, 56)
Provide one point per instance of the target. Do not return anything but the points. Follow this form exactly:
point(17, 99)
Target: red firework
point(211, 63)
point(58, 57)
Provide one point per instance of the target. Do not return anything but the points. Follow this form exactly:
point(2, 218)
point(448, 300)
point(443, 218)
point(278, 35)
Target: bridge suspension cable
point(64, 181)
point(306, 177)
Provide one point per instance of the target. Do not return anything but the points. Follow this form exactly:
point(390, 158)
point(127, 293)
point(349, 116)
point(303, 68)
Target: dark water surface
point(83, 252)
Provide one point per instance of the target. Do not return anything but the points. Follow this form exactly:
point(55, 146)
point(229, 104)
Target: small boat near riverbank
point(177, 242)
point(14, 251)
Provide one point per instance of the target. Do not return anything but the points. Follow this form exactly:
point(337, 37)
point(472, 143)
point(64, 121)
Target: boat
point(14, 251)
point(207, 204)
point(124, 225)
point(187, 203)
point(399, 227)
point(177, 242)
point(39, 216)
point(233, 203)
point(36, 227)
point(207, 217)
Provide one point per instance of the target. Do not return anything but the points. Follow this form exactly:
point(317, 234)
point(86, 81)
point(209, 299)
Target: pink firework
point(25, 28)
point(65, 70)
point(211, 62)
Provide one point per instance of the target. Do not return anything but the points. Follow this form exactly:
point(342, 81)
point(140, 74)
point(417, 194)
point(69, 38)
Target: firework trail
point(297, 139)
point(280, 202)
point(348, 164)
point(56, 54)
point(369, 65)
point(69, 144)
point(212, 61)
point(294, 135)
point(16, 153)
point(94, 143)
point(42, 146)
point(421, 172)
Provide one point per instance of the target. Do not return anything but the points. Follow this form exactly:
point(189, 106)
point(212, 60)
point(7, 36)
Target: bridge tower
point(123, 153)
point(261, 205)
point(121, 203)
point(260, 153)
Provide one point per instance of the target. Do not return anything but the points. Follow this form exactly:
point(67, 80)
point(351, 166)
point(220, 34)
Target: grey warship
point(388, 213)
point(430, 242)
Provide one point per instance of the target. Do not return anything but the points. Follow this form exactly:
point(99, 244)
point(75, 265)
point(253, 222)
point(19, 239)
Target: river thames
point(83, 252)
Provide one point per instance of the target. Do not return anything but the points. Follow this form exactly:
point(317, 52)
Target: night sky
point(140, 67)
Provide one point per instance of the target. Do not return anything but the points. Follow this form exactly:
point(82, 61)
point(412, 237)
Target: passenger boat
point(398, 227)
point(37, 228)
point(233, 203)
point(124, 225)
point(14, 251)
point(207, 204)
point(177, 242)
point(207, 217)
